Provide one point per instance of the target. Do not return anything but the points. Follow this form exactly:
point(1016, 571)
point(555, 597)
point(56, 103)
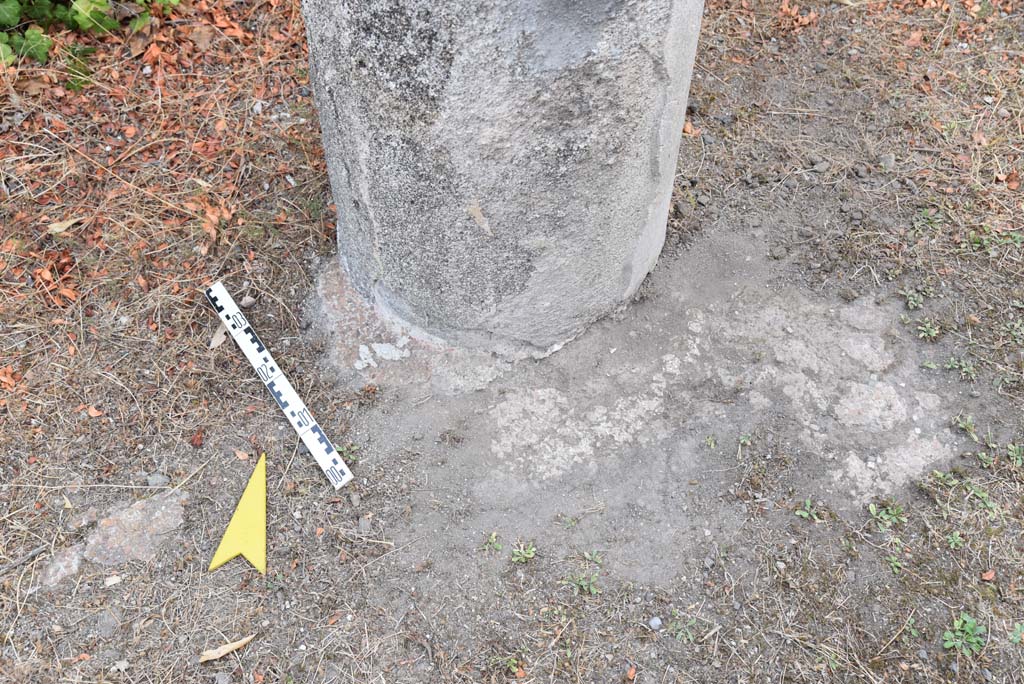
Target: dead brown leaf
point(221, 651)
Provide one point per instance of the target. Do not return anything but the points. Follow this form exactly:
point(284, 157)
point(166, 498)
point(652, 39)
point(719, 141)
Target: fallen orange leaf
point(94, 412)
point(988, 575)
point(631, 674)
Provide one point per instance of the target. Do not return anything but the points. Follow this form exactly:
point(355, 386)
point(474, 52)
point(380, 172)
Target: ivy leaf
point(93, 14)
point(10, 13)
point(34, 44)
point(6, 54)
point(138, 23)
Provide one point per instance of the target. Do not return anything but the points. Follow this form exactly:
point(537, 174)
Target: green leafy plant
point(955, 541)
point(492, 543)
point(965, 366)
point(947, 479)
point(895, 564)
point(967, 637)
point(583, 584)
point(928, 329)
point(982, 495)
point(910, 632)
point(593, 557)
point(966, 423)
point(524, 553)
point(1017, 636)
point(807, 511)
point(914, 299)
point(509, 663)
point(887, 515)
point(23, 23)
point(681, 627)
point(1015, 452)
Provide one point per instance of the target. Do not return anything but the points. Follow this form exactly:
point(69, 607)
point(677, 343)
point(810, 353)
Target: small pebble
point(780, 566)
point(887, 161)
point(778, 252)
point(654, 623)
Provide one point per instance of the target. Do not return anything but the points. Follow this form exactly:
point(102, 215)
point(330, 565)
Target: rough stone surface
point(502, 170)
point(135, 532)
point(65, 563)
point(634, 427)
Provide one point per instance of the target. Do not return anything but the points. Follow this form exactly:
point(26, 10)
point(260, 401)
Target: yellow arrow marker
point(247, 532)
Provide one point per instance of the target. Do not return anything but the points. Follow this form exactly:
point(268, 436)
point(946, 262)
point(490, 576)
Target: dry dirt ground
point(797, 457)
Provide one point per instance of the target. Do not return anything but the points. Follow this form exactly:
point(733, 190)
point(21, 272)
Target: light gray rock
point(64, 564)
point(876, 407)
point(654, 623)
point(502, 169)
point(137, 531)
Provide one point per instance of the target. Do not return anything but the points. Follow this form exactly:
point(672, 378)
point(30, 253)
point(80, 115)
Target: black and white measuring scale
point(309, 431)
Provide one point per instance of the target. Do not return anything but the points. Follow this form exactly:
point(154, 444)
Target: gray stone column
point(502, 168)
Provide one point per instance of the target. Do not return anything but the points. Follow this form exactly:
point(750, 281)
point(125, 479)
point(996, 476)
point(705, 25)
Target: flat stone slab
point(129, 532)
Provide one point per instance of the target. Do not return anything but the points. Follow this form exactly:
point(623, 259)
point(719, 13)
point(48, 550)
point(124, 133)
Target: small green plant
point(593, 557)
point(966, 424)
point(990, 506)
point(895, 564)
point(910, 632)
point(1015, 453)
point(681, 627)
point(710, 442)
point(913, 298)
point(508, 663)
point(524, 553)
point(985, 459)
point(807, 511)
point(1015, 329)
point(583, 584)
point(928, 329)
point(887, 515)
point(964, 366)
point(966, 636)
point(23, 23)
point(1017, 636)
point(947, 479)
point(492, 543)
point(349, 452)
point(955, 541)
